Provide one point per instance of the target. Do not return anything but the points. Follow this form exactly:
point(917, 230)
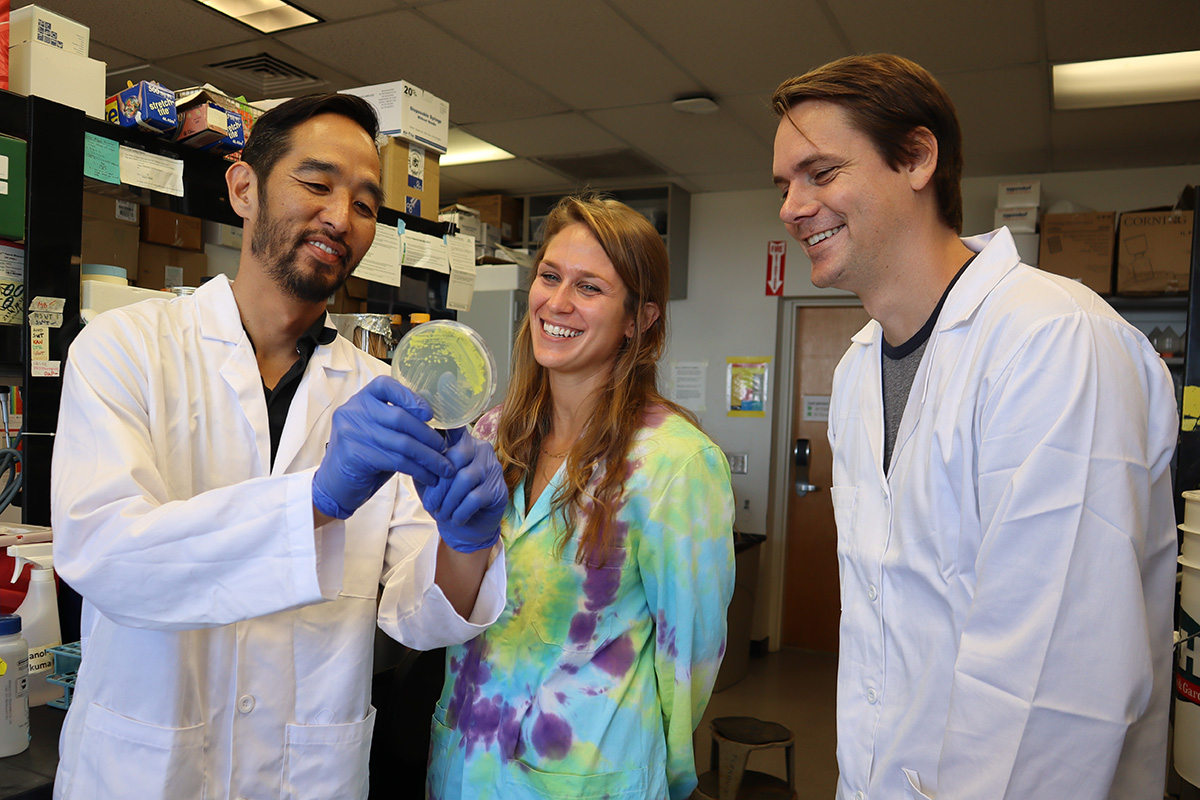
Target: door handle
point(801, 453)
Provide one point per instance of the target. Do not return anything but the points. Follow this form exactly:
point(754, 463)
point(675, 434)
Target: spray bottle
point(39, 618)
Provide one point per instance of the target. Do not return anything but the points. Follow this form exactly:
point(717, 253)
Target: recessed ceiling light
point(463, 148)
point(265, 16)
point(1140, 80)
point(695, 104)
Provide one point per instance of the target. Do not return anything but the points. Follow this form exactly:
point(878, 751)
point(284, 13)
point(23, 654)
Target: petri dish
point(449, 365)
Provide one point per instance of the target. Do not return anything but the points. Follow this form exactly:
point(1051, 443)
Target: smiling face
point(578, 318)
point(317, 208)
point(848, 209)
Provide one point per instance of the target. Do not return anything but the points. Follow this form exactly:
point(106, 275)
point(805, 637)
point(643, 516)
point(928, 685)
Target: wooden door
point(811, 597)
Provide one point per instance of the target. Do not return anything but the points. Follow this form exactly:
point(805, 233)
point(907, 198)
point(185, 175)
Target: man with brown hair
point(1007, 554)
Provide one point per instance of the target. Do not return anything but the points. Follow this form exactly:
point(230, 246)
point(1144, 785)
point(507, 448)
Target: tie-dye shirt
point(592, 680)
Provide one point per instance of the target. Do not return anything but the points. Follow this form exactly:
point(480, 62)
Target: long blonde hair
point(637, 253)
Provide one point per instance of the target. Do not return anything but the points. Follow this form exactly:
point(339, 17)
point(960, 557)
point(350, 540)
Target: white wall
point(727, 312)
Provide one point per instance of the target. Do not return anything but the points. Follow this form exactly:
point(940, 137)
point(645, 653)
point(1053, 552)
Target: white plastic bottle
point(39, 618)
point(14, 700)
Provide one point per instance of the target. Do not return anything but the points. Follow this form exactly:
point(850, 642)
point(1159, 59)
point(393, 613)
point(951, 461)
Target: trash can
point(741, 609)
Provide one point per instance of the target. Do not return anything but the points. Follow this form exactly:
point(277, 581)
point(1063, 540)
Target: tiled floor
point(794, 688)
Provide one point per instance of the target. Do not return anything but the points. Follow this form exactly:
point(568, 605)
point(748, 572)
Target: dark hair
point(888, 97)
point(271, 135)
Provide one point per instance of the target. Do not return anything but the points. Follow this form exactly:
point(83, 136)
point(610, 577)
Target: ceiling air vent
point(615, 164)
point(264, 75)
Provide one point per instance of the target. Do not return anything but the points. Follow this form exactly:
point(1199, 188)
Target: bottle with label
point(14, 699)
point(39, 618)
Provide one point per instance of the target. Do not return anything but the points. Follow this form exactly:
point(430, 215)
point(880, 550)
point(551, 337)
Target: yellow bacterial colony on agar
point(447, 364)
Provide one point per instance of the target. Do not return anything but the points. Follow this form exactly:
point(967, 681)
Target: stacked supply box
point(499, 211)
point(209, 120)
point(110, 232)
point(48, 57)
point(1018, 208)
point(149, 106)
point(417, 124)
point(1080, 246)
point(1154, 252)
point(169, 254)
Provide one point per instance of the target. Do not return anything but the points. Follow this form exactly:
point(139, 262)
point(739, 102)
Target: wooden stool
point(733, 740)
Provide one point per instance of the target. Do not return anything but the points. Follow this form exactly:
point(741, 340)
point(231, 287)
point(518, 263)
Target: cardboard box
point(221, 234)
point(499, 210)
point(202, 125)
point(234, 138)
point(409, 112)
point(1080, 246)
point(412, 180)
point(149, 106)
point(467, 220)
point(162, 267)
point(160, 226)
point(1154, 252)
point(36, 24)
point(12, 188)
point(1016, 194)
point(75, 81)
point(109, 242)
point(1022, 219)
point(110, 209)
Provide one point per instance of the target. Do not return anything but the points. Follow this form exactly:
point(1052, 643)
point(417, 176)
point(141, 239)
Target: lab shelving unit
point(54, 134)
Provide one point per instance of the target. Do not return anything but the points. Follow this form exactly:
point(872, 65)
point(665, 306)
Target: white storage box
point(36, 24)
point(57, 75)
point(1014, 194)
point(409, 112)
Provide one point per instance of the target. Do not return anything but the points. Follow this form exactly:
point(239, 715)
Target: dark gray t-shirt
point(899, 365)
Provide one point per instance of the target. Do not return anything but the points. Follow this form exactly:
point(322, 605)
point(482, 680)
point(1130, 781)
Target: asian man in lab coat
point(1001, 484)
point(232, 484)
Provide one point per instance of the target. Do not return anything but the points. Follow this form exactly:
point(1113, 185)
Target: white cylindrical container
point(1187, 653)
point(14, 699)
point(39, 619)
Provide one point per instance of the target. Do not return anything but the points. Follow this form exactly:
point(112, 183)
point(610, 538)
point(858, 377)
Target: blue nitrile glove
point(376, 433)
point(469, 505)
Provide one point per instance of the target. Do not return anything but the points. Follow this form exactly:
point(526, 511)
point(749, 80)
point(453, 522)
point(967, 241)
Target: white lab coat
point(1007, 589)
point(227, 645)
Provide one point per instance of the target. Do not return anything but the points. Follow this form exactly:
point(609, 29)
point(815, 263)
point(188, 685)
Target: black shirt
point(279, 399)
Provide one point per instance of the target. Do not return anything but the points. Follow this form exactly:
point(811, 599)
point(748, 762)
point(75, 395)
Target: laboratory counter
point(30, 775)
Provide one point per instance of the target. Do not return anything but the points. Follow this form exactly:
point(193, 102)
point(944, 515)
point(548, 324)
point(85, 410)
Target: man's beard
point(281, 254)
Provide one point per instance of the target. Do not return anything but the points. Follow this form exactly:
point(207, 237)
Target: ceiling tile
point(152, 29)
point(943, 35)
point(195, 65)
point(554, 135)
point(1138, 136)
point(403, 46)
point(584, 54)
point(1001, 111)
point(335, 10)
point(687, 143)
point(511, 177)
point(113, 58)
point(755, 113)
point(730, 48)
point(1084, 30)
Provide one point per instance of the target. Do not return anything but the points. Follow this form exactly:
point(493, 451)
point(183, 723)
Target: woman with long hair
point(618, 540)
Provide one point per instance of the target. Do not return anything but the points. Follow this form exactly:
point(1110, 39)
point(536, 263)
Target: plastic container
point(450, 367)
point(39, 615)
point(14, 700)
point(105, 274)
